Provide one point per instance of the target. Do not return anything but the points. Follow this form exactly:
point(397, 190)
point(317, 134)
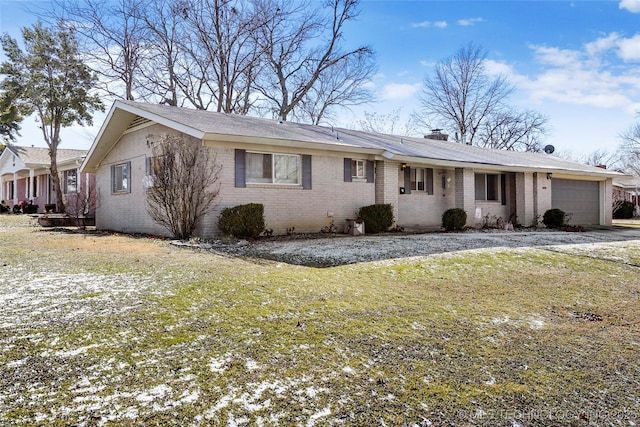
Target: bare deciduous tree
point(184, 184)
point(223, 45)
point(628, 154)
point(461, 95)
point(342, 85)
point(225, 55)
point(388, 123)
point(511, 130)
point(83, 203)
point(110, 36)
point(160, 69)
point(296, 57)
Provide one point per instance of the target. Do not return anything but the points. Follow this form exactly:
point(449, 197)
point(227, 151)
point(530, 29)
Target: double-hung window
point(487, 186)
point(121, 178)
point(70, 183)
point(422, 179)
point(272, 168)
point(357, 169)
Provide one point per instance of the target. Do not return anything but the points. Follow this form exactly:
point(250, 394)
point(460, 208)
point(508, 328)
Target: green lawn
point(118, 330)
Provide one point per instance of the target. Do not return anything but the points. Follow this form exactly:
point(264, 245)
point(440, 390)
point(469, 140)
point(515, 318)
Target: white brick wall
point(420, 210)
point(307, 210)
point(387, 185)
point(285, 206)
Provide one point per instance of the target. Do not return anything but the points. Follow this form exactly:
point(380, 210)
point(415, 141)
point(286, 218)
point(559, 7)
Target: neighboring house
point(627, 188)
point(25, 177)
point(307, 176)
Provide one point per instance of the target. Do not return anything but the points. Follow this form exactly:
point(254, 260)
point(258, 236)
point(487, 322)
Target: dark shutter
point(113, 179)
point(369, 171)
point(241, 180)
point(306, 171)
point(429, 177)
point(347, 170)
point(503, 189)
point(407, 180)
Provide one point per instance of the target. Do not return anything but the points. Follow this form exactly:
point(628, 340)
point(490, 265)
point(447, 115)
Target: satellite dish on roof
point(549, 149)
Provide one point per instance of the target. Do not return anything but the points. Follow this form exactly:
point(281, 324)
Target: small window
point(70, 184)
point(357, 169)
point(120, 178)
point(487, 186)
point(422, 180)
point(266, 168)
point(417, 179)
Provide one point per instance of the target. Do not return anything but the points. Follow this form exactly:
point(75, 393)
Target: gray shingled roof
point(208, 124)
point(40, 156)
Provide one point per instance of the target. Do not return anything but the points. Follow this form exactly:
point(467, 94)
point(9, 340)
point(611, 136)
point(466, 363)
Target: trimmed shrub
point(623, 209)
point(377, 218)
point(242, 221)
point(454, 219)
point(553, 218)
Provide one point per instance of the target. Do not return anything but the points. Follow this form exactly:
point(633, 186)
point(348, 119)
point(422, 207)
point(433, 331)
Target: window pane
point(414, 185)
point(125, 177)
point(71, 181)
point(121, 178)
point(492, 187)
point(480, 186)
point(286, 168)
point(420, 179)
point(357, 168)
point(258, 167)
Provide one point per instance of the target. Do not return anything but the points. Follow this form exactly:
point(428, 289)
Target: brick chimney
point(437, 135)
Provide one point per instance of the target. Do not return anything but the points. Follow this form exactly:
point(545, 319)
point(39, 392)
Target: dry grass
point(115, 330)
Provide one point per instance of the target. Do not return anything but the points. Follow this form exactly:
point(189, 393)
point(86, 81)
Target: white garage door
point(581, 199)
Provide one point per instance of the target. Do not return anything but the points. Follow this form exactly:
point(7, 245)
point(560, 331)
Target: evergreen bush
point(623, 209)
point(377, 218)
point(553, 218)
point(454, 219)
point(242, 221)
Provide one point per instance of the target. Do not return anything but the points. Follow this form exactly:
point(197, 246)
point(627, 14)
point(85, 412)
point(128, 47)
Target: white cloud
point(395, 91)
point(427, 24)
point(498, 68)
point(423, 24)
point(632, 6)
point(469, 21)
point(580, 77)
point(629, 49)
point(554, 56)
point(602, 44)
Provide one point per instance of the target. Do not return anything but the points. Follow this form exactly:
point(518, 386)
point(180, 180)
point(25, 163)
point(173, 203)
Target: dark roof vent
point(437, 135)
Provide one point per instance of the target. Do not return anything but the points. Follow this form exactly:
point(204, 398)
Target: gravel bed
point(343, 249)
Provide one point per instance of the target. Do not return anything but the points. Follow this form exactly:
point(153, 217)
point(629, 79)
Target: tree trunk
point(55, 178)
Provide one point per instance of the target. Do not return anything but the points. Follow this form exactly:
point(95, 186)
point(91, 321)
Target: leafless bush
point(184, 182)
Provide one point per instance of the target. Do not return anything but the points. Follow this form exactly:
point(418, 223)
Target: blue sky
point(576, 62)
